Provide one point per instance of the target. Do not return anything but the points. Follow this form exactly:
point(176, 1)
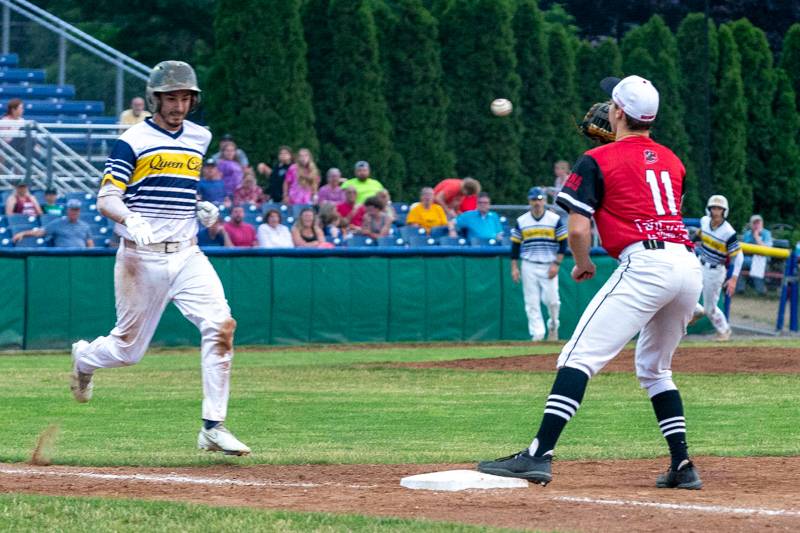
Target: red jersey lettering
point(633, 189)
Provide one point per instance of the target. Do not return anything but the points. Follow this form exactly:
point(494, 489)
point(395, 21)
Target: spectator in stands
point(375, 223)
point(755, 264)
point(273, 234)
point(22, 202)
point(364, 185)
point(352, 214)
point(211, 188)
point(480, 223)
point(13, 117)
point(331, 222)
point(302, 180)
point(277, 174)
point(456, 196)
point(249, 192)
point(240, 156)
point(66, 232)
point(240, 232)
point(232, 171)
point(51, 205)
point(306, 232)
point(561, 171)
point(331, 192)
point(214, 235)
point(136, 114)
point(426, 214)
point(383, 196)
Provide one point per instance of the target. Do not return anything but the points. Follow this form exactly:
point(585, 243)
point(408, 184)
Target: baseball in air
point(501, 107)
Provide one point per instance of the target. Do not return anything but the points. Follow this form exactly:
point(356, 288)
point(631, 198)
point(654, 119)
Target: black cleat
point(686, 477)
point(521, 465)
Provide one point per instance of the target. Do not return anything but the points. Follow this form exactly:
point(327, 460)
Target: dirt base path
point(713, 360)
point(740, 494)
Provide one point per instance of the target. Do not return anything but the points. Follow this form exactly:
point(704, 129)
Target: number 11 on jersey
point(652, 180)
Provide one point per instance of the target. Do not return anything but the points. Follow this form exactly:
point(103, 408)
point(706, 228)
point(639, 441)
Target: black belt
point(652, 244)
point(709, 264)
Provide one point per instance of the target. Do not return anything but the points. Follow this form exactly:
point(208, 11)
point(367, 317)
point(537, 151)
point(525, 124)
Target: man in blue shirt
point(211, 188)
point(755, 264)
point(66, 232)
point(480, 223)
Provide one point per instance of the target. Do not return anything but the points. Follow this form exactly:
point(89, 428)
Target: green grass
point(326, 406)
point(43, 513)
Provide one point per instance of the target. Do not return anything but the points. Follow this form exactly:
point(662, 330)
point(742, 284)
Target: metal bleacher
point(64, 140)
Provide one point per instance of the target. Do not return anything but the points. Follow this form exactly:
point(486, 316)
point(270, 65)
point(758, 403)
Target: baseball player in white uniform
point(718, 244)
point(149, 189)
point(539, 239)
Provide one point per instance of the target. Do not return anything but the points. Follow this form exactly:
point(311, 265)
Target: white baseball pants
point(652, 292)
point(713, 278)
point(538, 289)
point(144, 282)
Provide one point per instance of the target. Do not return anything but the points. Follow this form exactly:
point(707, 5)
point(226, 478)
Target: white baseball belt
point(162, 247)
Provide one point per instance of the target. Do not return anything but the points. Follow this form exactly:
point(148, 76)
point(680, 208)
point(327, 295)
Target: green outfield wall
point(49, 301)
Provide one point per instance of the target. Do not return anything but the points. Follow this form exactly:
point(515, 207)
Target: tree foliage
point(416, 96)
point(275, 92)
point(360, 127)
point(697, 58)
point(480, 65)
point(567, 143)
point(758, 80)
point(535, 102)
point(729, 155)
point(777, 199)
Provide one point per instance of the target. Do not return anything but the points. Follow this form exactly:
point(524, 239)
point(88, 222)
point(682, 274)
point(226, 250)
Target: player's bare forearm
point(579, 235)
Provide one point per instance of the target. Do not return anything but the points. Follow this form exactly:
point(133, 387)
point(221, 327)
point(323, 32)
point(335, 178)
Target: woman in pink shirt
point(302, 180)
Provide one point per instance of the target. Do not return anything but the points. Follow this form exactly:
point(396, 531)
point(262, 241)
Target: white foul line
point(683, 507)
point(173, 478)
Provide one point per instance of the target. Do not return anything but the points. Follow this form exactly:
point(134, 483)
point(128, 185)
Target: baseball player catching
point(632, 187)
point(540, 239)
point(718, 244)
point(149, 189)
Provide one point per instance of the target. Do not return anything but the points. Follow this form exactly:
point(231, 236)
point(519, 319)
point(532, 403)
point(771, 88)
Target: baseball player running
point(540, 240)
point(718, 243)
point(149, 189)
point(632, 187)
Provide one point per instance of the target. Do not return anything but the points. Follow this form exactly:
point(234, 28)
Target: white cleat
point(80, 383)
point(723, 336)
point(220, 439)
point(552, 335)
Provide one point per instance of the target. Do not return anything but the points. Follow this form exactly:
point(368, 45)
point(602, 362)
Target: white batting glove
point(139, 229)
point(207, 213)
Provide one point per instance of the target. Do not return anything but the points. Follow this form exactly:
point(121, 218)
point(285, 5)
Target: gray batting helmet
point(171, 76)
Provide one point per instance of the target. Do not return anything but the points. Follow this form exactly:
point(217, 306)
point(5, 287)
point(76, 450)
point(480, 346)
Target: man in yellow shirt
point(426, 214)
point(136, 114)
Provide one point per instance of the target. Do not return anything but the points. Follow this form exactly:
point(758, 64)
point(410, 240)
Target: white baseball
point(501, 107)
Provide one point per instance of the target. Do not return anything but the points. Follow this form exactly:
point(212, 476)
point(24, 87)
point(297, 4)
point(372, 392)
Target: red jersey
point(633, 187)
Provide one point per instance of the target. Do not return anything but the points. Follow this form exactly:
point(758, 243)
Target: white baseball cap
point(635, 95)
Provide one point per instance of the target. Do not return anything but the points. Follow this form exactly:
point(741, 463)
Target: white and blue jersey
point(158, 171)
point(538, 240)
point(717, 244)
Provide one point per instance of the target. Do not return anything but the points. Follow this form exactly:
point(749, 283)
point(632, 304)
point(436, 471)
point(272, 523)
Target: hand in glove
point(207, 213)
point(139, 229)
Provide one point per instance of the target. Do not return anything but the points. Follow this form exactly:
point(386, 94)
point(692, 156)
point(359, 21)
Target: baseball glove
point(595, 124)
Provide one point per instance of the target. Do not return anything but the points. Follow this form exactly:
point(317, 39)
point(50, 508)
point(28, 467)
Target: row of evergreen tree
point(406, 84)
